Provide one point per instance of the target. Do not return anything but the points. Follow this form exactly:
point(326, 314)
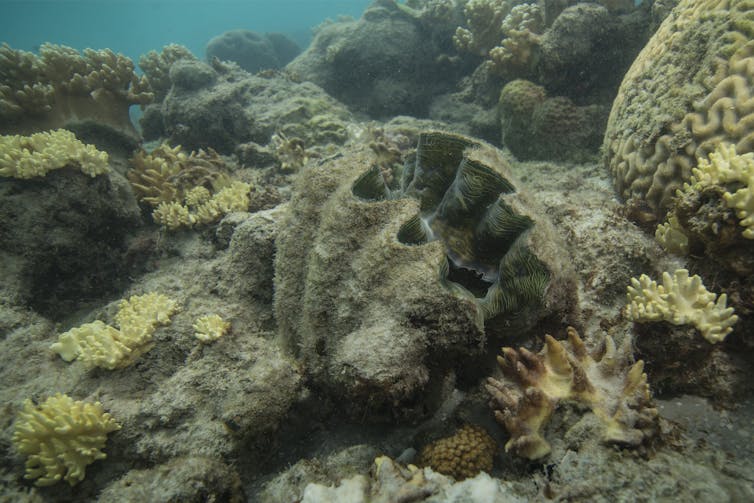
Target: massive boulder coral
point(379, 288)
point(688, 90)
point(253, 51)
point(62, 88)
point(389, 62)
point(534, 386)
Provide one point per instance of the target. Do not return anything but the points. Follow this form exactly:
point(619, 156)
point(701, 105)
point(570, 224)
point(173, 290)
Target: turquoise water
point(138, 26)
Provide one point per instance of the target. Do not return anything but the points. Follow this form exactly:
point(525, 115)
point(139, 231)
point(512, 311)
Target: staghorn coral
point(680, 300)
point(210, 328)
point(100, 345)
point(60, 437)
point(535, 385)
point(62, 88)
point(688, 90)
point(424, 267)
point(38, 154)
point(467, 452)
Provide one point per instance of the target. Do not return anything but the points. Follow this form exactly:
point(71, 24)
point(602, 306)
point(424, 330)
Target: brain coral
point(688, 90)
point(373, 282)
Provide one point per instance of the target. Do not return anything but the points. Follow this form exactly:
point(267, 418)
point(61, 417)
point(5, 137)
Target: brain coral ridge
point(535, 385)
point(688, 90)
point(375, 281)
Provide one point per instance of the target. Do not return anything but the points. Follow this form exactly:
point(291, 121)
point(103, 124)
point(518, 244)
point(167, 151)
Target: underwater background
point(135, 27)
point(377, 251)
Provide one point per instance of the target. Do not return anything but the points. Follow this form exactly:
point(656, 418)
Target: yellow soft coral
point(680, 300)
point(210, 328)
point(36, 155)
point(100, 345)
point(61, 437)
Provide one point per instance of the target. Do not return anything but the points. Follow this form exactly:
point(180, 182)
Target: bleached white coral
point(100, 345)
point(210, 328)
point(61, 437)
point(681, 300)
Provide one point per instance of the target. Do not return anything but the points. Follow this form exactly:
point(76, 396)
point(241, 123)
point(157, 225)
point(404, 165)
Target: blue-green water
point(138, 26)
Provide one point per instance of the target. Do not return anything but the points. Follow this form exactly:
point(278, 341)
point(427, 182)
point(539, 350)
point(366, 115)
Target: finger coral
point(38, 154)
point(100, 345)
point(61, 437)
point(681, 300)
point(464, 454)
point(535, 385)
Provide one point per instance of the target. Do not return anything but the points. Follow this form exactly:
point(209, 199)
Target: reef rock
point(252, 51)
point(381, 287)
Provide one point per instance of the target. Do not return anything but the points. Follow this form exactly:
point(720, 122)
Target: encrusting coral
point(210, 328)
point(688, 90)
point(38, 154)
point(100, 345)
point(186, 189)
point(681, 300)
point(60, 437)
point(468, 451)
point(60, 87)
point(535, 385)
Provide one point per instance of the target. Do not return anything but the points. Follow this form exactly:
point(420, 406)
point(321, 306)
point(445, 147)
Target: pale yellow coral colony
point(100, 345)
point(210, 328)
point(681, 300)
point(36, 155)
point(60, 437)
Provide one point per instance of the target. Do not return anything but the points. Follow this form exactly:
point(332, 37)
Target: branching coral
point(464, 454)
point(534, 385)
point(61, 437)
point(100, 345)
point(62, 86)
point(210, 328)
point(38, 154)
point(156, 67)
point(680, 300)
point(186, 189)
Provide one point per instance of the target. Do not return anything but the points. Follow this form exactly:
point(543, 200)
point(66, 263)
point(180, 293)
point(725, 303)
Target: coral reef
point(101, 345)
point(535, 126)
point(681, 300)
point(210, 328)
point(60, 88)
point(463, 455)
point(38, 154)
point(457, 240)
point(389, 62)
point(252, 51)
point(156, 67)
point(534, 386)
point(687, 91)
point(60, 437)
